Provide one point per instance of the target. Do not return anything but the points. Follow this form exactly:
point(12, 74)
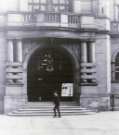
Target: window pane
point(43, 8)
point(86, 6)
point(117, 59)
point(62, 1)
point(43, 1)
point(62, 8)
point(117, 76)
point(36, 1)
point(55, 1)
point(30, 1)
point(50, 5)
point(56, 8)
point(117, 68)
point(30, 7)
point(36, 7)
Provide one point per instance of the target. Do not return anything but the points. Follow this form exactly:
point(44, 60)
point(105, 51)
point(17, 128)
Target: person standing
point(56, 105)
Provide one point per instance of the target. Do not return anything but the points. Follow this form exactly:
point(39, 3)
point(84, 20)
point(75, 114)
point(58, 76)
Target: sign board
point(67, 90)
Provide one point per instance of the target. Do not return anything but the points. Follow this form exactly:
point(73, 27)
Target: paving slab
point(103, 123)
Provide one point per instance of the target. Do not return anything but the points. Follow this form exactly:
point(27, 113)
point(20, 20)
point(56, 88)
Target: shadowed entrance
point(49, 70)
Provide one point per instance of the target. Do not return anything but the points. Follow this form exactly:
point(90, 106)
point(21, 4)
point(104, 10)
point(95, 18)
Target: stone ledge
point(88, 84)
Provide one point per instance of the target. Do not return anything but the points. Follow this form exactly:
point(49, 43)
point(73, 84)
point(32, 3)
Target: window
point(43, 1)
point(86, 6)
point(30, 1)
point(115, 69)
point(50, 5)
point(36, 8)
point(36, 1)
point(117, 12)
point(55, 1)
point(30, 8)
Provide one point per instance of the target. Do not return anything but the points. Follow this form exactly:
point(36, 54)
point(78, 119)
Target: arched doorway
point(49, 70)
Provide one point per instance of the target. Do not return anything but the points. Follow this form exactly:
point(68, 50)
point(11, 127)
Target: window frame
point(115, 69)
point(51, 6)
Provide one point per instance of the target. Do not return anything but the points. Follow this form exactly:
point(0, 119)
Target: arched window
point(115, 69)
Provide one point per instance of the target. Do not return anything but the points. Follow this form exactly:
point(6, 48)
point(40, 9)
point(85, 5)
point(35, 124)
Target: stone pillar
point(3, 53)
point(19, 50)
point(84, 57)
point(92, 52)
point(83, 52)
point(10, 51)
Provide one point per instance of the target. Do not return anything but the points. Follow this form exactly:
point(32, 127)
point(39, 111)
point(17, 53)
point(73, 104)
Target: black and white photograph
point(59, 67)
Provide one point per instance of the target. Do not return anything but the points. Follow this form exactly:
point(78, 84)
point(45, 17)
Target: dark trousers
point(57, 110)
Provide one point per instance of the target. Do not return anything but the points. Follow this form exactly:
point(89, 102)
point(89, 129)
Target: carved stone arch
point(115, 75)
point(114, 55)
point(67, 50)
point(72, 57)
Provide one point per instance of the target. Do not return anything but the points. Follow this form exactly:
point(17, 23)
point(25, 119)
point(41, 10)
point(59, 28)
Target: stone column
point(19, 50)
point(10, 51)
point(92, 57)
point(83, 52)
point(92, 52)
point(84, 57)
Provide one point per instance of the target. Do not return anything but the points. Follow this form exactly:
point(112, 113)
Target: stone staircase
point(46, 109)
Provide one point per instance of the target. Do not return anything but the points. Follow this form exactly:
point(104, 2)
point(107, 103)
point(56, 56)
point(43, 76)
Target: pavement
point(102, 123)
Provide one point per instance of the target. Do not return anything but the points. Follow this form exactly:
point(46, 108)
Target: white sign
point(67, 90)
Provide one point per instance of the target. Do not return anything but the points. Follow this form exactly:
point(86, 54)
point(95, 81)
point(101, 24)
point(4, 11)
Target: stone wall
point(98, 97)
point(114, 85)
point(3, 52)
point(16, 95)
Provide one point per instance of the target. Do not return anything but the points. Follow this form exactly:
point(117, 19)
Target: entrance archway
point(50, 69)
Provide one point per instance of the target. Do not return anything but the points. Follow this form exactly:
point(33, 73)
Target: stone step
point(48, 114)
point(46, 109)
point(116, 108)
point(49, 111)
point(41, 107)
point(50, 103)
point(23, 112)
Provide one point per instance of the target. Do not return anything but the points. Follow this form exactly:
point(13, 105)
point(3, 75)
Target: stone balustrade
point(70, 20)
point(43, 19)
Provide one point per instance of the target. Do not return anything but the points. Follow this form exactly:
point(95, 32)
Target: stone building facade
point(69, 46)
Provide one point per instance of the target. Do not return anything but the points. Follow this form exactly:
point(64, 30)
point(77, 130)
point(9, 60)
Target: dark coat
point(56, 100)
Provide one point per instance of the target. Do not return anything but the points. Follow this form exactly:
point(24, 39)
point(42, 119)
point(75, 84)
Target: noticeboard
point(67, 90)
